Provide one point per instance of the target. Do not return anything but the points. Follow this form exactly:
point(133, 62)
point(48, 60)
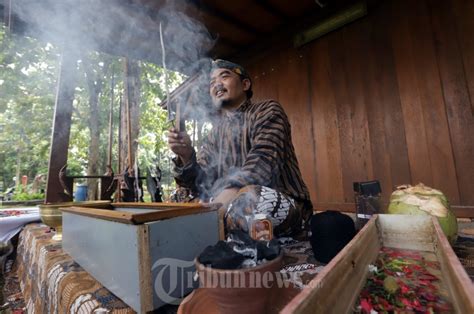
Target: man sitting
point(248, 162)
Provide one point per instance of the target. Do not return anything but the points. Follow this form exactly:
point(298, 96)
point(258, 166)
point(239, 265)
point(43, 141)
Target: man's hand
point(180, 144)
point(226, 196)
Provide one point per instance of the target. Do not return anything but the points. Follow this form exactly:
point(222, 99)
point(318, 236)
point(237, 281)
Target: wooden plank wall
point(388, 97)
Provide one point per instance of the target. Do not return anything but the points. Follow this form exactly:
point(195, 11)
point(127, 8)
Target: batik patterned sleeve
point(266, 156)
point(200, 170)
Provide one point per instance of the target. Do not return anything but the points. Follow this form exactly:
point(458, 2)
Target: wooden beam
point(270, 8)
point(226, 18)
point(61, 127)
point(282, 37)
point(459, 211)
point(342, 207)
point(129, 127)
point(222, 52)
point(463, 211)
point(7, 13)
point(229, 42)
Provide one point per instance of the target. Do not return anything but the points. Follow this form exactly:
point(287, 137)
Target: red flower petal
point(365, 305)
point(404, 289)
point(406, 302)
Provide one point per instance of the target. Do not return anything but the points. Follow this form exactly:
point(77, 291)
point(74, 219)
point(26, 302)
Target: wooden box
point(143, 253)
point(336, 288)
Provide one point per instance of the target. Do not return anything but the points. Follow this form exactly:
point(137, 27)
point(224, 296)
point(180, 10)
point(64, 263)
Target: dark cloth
point(330, 232)
point(221, 256)
point(238, 248)
point(250, 146)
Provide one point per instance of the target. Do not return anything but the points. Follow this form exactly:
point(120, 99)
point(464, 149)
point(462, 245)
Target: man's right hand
point(180, 144)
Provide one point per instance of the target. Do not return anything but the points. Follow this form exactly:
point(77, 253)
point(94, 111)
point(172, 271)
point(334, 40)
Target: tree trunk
point(94, 85)
point(131, 94)
point(17, 171)
point(93, 163)
point(130, 108)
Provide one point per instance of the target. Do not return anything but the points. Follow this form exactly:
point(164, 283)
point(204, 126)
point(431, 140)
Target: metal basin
point(52, 215)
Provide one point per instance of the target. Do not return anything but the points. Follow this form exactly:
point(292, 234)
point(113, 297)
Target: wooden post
point(129, 121)
point(61, 127)
point(132, 96)
point(7, 14)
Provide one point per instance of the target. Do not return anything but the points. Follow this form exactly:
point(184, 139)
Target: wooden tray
point(337, 287)
point(139, 213)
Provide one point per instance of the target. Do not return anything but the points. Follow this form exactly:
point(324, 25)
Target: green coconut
point(419, 189)
point(423, 200)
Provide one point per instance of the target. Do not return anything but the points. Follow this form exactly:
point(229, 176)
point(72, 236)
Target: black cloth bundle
point(330, 232)
point(238, 248)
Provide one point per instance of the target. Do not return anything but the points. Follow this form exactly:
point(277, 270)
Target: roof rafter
point(270, 8)
point(226, 18)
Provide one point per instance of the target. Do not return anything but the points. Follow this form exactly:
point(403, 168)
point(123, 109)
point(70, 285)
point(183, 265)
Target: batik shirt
point(249, 146)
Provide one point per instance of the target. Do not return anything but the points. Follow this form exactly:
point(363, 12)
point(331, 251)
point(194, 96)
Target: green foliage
point(153, 147)
point(28, 70)
point(28, 78)
point(27, 196)
point(22, 195)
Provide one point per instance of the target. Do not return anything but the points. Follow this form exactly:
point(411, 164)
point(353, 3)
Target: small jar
point(261, 228)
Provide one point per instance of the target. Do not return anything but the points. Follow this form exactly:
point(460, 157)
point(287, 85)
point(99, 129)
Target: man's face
point(227, 89)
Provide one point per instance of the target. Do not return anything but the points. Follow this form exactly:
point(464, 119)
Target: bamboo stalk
point(127, 111)
point(194, 133)
point(109, 152)
point(163, 61)
point(179, 122)
point(118, 194)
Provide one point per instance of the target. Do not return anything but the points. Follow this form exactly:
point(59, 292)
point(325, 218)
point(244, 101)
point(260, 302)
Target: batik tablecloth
point(52, 282)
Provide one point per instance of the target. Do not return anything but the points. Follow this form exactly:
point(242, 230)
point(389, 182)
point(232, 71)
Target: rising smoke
point(125, 28)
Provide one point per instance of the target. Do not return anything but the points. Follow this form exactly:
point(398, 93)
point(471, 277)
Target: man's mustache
point(219, 88)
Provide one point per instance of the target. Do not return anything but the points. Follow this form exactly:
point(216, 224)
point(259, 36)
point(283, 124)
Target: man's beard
point(221, 103)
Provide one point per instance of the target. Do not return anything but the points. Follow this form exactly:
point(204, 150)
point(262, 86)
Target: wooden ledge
point(163, 211)
point(459, 211)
